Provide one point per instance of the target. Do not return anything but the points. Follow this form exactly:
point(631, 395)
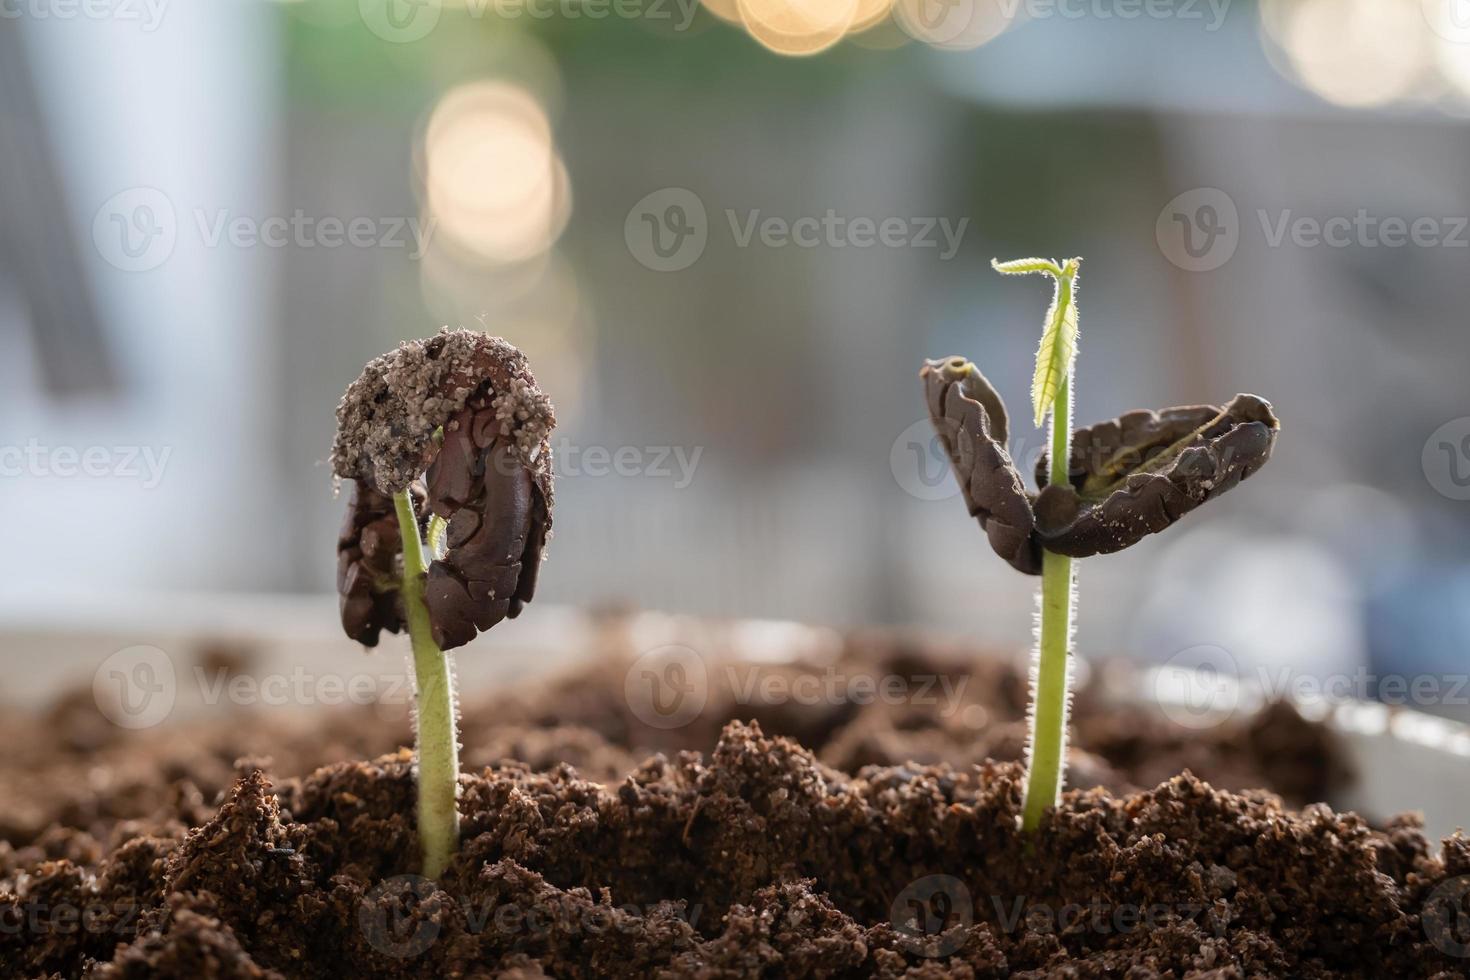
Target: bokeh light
point(1354, 53)
point(493, 180)
point(798, 27)
point(1453, 60)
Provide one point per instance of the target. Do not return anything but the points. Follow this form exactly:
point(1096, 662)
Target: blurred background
point(727, 233)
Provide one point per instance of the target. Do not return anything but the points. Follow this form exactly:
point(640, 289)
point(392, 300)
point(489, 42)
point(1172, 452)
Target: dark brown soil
point(154, 854)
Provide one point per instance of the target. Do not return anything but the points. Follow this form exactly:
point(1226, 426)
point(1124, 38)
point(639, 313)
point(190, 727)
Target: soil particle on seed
point(387, 417)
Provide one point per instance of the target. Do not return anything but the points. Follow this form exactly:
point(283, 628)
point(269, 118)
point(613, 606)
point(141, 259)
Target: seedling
point(457, 422)
point(1101, 489)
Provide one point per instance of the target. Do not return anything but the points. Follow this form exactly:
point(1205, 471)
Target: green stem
point(436, 743)
point(1049, 699)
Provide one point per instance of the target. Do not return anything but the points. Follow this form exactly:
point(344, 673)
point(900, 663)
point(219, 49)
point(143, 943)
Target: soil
point(763, 838)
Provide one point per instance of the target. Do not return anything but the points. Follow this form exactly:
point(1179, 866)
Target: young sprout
point(457, 422)
point(1102, 489)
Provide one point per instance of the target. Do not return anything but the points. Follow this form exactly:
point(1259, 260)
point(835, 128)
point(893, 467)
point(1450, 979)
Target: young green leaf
point(1059, 331)
point(1026, 267)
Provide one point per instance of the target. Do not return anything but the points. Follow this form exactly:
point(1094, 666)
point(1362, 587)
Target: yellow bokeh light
point(493, 182)
point(798, 27)
point(1357, 53)
point(1453, 58)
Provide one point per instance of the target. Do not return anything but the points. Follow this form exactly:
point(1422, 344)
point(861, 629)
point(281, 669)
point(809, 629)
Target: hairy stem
point(1048, 736)
point(436, 742)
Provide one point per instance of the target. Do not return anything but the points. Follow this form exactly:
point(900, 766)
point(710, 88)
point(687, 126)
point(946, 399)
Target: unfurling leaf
point(1058, 344)
point(1027, 267)
point(1058, 333)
